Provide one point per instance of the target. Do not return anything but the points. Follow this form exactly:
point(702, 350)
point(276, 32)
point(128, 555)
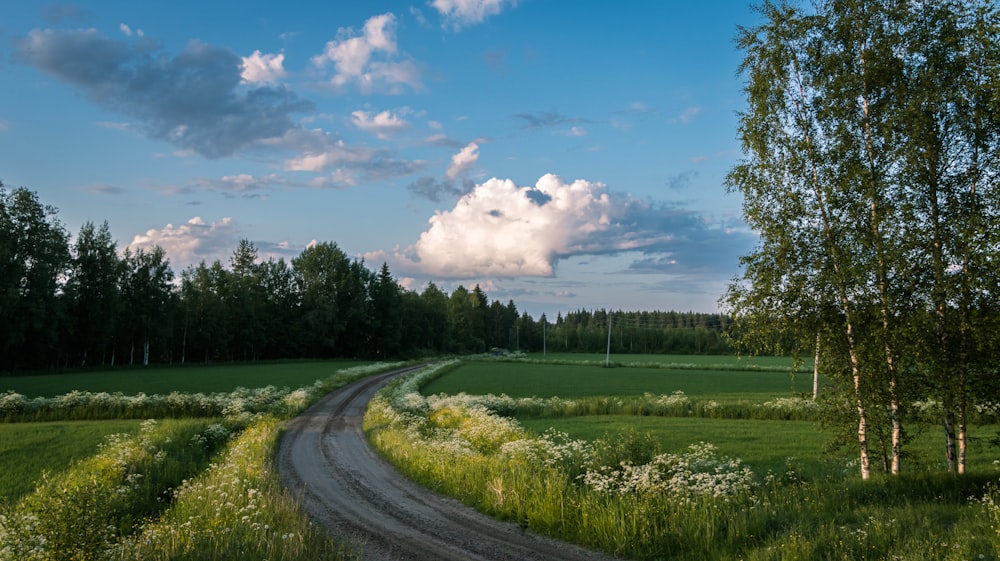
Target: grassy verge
point(150, 496)
point(28, 449)
point(237, 509)
point(626, 495)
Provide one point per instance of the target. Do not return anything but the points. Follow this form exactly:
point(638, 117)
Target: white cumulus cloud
point(367, 59)
point(500, 229)
point(191, 242)
point(263, 68)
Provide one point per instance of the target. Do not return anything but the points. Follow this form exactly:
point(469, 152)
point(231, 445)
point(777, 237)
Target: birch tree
point(865, 230)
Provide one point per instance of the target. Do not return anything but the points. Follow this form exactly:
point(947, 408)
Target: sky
point(563, 155)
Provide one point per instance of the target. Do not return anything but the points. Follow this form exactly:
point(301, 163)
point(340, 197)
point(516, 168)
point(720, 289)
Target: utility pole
point(607, 359)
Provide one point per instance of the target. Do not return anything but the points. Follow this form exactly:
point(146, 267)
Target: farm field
point(28, 449)
point(185, 379)
point(518, 379)
point(729, 360)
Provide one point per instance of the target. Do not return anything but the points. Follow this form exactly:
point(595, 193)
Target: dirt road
point(325, 459)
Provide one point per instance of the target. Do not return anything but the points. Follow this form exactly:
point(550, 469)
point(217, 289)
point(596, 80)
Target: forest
point(83, 302)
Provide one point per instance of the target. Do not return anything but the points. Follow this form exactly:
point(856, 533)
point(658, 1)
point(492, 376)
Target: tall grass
point(237, 509)
point(625, 496)
point(28, 449)
point(150, 496)
point(79, 513)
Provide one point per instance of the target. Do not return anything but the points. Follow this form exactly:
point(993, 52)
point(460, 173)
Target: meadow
point(197, 378)
point(666, 476)
point(679, 459)
point(199, 487)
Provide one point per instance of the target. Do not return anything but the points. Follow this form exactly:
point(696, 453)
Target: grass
point(625, 484)
point(757, 443)
point(185, 379)
point(728, 361)
point(574, 381)
point(28, 449)
point(165, 493)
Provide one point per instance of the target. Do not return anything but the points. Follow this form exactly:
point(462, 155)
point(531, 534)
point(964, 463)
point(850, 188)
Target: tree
point(34, 253)
point(387, 314)
point(93, 292)
point(147, 294)
point(847, 194)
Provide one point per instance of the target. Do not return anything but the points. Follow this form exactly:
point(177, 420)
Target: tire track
point(324, 458)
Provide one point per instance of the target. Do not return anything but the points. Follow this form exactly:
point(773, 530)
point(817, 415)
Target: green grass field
point(187, 379)
point(571, 381)
point(28, 449)
point(697, 360)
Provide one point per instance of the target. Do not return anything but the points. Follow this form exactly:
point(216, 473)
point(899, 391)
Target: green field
point(663, 359)
point(570, 381)
point(28, 449)
point(187, 379)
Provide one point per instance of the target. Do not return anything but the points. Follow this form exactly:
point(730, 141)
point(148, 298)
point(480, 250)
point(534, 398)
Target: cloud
point(436, 190)
point(463, 13)
point(4, 127)
point(681, 180)
point(243, 184)
point(103, 189)
point(502, 230)
point(128, 32)
point(463, 161)
point(191, 242)
point(263, 69)
point(547, 119)
point(354, 59)
point(322, 151)
point(381, 125)
point(688, 115)
point(193, 100)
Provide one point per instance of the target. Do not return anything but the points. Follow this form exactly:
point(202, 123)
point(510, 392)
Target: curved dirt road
point(324, 459)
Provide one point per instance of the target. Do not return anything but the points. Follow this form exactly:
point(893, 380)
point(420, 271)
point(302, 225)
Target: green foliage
point(28, 449)
point(237, 509)
point(81, 512)
point(609, 486)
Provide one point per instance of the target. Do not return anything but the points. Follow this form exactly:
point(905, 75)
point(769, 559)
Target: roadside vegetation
point(200, 487)
point(648, 483)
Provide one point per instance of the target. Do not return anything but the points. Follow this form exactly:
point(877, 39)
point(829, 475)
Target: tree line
point(88, 304)
point(872, 158)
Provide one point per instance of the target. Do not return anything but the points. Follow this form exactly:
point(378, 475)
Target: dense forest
point(87, 304)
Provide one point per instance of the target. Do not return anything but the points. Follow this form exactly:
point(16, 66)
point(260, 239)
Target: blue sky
point(565, 155)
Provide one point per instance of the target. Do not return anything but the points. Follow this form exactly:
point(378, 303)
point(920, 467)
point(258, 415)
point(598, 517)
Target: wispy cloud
point(192, 100)
point(457, 14)
point(382, 124)
point(462, 162)
point(541, 119)
point(687, 115)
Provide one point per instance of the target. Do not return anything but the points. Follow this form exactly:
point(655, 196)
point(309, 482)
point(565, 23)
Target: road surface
point(326, 461)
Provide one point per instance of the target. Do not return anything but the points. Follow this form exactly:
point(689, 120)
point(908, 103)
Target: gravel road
point(364, 502)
